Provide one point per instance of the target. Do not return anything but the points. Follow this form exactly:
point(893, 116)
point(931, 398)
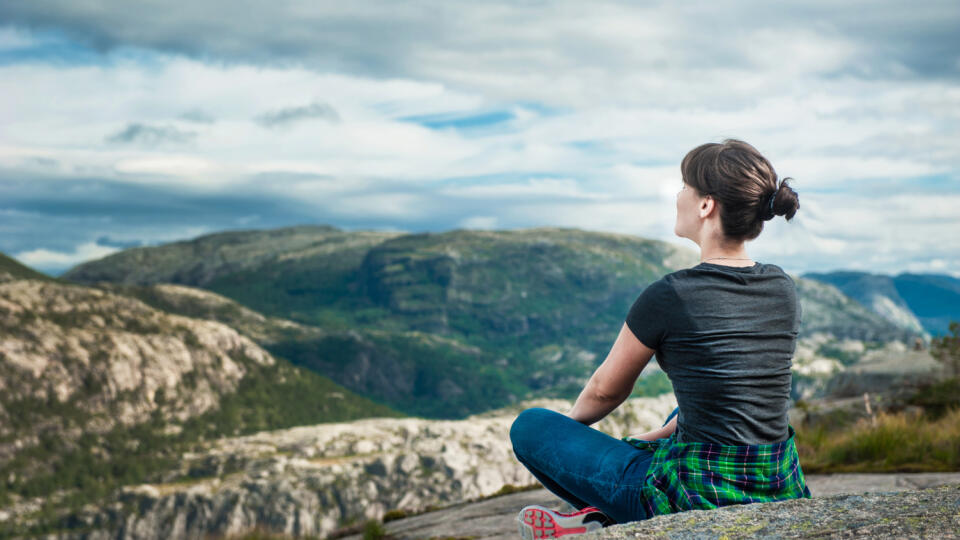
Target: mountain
point(99, 389)
point(826, 309)
point(450, 324)
point(441, 325)
point(934, 298)
point(199, 261)
point(919, 302)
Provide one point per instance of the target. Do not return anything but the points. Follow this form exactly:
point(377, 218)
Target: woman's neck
point(727, 258)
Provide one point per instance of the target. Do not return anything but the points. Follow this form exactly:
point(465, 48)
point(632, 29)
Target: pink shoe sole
point(537, 522)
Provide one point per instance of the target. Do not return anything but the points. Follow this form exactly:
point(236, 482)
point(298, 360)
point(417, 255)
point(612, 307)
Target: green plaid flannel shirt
point(701, 476)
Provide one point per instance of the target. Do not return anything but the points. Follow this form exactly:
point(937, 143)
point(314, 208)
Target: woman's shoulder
point(704, 275)
point(702, 269)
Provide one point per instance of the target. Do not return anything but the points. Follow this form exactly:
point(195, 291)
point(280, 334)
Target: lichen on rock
point(928, 513)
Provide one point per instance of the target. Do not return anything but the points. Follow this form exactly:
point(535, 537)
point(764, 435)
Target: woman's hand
point(661, 433)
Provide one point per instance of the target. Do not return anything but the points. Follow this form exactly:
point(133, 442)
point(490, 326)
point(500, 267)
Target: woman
point(724, 331)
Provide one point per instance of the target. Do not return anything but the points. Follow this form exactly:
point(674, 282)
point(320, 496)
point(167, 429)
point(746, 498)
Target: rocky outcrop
point(203, 304)
point(110, 357)
point(495, 518)
point(98, 389)
point(824, 365)
point(313, 480)
point(882, 370)
point(928, 513)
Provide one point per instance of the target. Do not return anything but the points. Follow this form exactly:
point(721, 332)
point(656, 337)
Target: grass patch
point(896, 442)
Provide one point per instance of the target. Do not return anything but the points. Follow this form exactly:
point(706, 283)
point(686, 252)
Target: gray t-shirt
point(725, 336)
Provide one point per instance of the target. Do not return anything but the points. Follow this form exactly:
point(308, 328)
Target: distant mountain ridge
point(922, 302)
point(433, 324)
point(453, 323)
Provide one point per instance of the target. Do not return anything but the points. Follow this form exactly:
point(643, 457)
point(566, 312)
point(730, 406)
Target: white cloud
point(886, 234)
point(45, 258)
point(605, 98)
point(479, 222)
point(533, 187)
point(166, 165)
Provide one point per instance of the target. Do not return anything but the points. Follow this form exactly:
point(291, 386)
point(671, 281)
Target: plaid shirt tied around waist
point(702, 476)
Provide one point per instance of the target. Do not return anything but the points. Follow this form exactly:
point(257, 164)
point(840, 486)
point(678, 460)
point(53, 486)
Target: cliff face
point(533, 283)
point(312, 480)
point(113, 359)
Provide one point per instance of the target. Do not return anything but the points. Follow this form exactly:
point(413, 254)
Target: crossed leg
point(579, 464)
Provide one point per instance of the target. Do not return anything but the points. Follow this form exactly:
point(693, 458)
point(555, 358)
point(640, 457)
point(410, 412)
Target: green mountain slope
point(416, 372)
point(203, 259)
point(446, 324)
point(436, 324)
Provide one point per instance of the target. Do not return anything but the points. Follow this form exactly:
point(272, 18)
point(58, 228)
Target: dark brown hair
point(741, 181)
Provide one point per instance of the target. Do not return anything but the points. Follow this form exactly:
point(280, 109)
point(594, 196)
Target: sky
point(143, 122)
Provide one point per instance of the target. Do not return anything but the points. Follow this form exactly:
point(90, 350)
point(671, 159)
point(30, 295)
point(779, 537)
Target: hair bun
point(782, 202)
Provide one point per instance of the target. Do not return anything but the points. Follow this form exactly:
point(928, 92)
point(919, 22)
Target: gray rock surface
point(313, 480)
point(928, 513)
point(850, 504)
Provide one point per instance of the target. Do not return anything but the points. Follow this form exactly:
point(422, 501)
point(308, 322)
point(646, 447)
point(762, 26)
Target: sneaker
point(538, 522)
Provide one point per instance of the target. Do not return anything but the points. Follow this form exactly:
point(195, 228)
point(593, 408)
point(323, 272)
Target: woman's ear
point(707, 204)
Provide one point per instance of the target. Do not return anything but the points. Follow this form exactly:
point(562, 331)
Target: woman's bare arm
point(613, 380)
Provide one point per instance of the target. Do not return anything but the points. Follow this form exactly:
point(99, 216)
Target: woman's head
point(740, 181)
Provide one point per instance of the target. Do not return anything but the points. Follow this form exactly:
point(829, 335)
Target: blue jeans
point(582, 465)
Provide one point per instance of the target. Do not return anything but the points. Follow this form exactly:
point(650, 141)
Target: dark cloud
point(151, 135)
point(40, 161)
point(435, 39)
point(289, 115)
point(59, 215)
point(119, 244)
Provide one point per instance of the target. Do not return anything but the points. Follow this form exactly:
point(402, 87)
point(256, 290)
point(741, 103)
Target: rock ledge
point(928, 513)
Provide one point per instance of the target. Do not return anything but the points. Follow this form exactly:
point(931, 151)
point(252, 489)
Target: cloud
point(498, 114)
point(551, 188)
point(165, 165)
point(479, 222)
point(47, 259)
point(107, 241)
point(151, 135)
point(198, 116)
point(289, 115)
point(569, 53)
